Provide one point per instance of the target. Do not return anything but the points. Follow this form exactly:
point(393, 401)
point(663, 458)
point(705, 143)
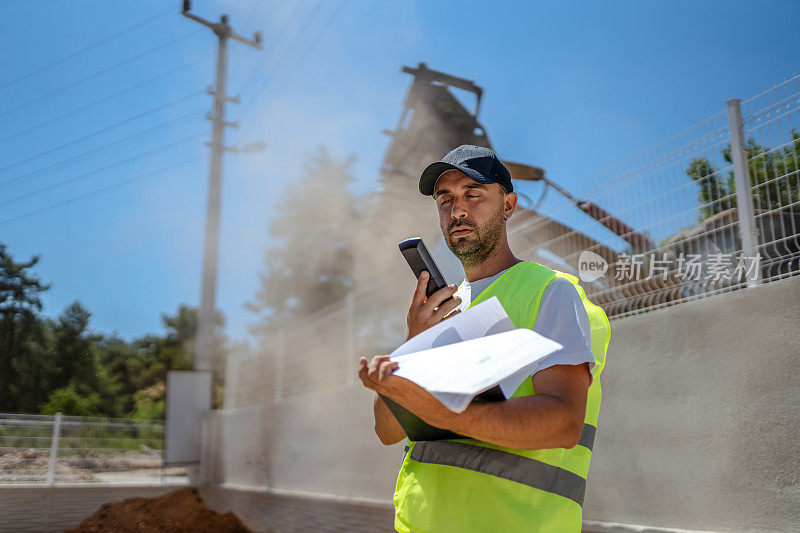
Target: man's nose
point(459, 209)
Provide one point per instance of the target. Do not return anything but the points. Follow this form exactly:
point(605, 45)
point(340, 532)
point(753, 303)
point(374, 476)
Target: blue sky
point(573, 87)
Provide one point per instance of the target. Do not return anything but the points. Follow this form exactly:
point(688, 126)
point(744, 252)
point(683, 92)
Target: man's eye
point(447, 201)
point(473, 196)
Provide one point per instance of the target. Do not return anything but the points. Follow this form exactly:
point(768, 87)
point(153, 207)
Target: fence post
point(279, 364)
point(51, 468)
point(231, 373)
point(744, 190)
point(350, 334)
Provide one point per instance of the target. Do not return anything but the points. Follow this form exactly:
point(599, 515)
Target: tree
point(310, 266)
point(150, 402)
point(766, 167)
point(134, 374)
point(59, 365)
point(715, 195)
point(74, 352)
point(20, 329)
point(120, 368)
point(68, 401)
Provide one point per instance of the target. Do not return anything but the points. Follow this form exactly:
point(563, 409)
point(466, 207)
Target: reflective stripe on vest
point(587, 436)
point(506, 465)
point(502, 464)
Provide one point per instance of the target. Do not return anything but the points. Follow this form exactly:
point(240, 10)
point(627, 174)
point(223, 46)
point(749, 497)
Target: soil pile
point(177, 511)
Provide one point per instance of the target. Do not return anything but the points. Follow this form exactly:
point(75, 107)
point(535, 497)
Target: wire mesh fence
point(710, 210)
point(667, 224)
point(72, 449)
point(772, 129)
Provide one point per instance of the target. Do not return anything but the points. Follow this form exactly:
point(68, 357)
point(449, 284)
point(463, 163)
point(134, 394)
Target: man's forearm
point(387, 427)
point(528, 423)
point(552, 418)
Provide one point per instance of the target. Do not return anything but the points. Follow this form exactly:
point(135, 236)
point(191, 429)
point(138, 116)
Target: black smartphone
point(420, 260)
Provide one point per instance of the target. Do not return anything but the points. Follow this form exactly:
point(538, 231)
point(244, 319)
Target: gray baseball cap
point(478, 162)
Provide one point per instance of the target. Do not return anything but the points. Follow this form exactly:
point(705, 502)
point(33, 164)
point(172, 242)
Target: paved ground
point(37, 508)
point(266, 512)
point(31, 508)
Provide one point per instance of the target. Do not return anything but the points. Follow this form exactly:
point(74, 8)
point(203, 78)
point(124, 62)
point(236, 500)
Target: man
point(523, 466)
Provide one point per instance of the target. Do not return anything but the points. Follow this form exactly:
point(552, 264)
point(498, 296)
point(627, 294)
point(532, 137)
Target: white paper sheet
point(486, 318)
point(472, 352)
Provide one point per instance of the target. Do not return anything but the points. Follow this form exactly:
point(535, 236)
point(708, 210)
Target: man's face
point(471, 215)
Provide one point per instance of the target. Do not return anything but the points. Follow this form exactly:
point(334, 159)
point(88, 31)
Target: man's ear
point(509, 204)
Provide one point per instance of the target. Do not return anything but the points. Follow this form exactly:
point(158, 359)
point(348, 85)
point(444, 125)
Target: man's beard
point(476, 247)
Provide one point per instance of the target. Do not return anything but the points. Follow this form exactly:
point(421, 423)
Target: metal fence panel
point(772, 129)
point(37, 449)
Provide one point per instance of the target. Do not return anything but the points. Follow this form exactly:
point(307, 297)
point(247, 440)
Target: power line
point(97, 191)
point(105, 98)
point(103, 130)
point(98, 73)
point(273, 43)
point(316, 39)
point(256, 8)
point(107, 167)
point(100, 148)
point(305, 54)
point(87, 48)
point(299, 32)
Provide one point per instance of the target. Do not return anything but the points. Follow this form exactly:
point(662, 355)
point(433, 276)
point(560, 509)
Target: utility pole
point(208, 292)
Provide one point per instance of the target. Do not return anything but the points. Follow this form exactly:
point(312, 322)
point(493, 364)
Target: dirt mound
point(177, 511)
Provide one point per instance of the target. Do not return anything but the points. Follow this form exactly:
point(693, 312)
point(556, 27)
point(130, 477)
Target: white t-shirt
point(561, 317)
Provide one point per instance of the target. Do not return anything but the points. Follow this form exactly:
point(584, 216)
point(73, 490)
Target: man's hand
point(387, 428)
point(427, 312)
point(377, 375)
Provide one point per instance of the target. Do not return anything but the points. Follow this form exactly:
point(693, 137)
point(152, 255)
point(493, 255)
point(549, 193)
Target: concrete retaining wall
point(700, 422)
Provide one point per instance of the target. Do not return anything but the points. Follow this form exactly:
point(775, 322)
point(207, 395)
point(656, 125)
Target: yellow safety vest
point(466, 485)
